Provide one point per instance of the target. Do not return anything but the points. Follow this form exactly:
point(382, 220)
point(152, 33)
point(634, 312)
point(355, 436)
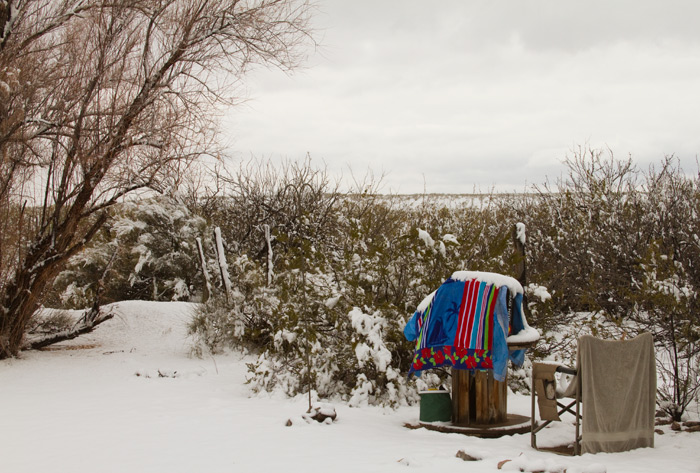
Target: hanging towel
point(618, 383)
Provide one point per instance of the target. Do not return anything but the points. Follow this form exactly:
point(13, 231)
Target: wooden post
point(478, 399)
point(520, 266)
point(221, 260)
point(206, 293)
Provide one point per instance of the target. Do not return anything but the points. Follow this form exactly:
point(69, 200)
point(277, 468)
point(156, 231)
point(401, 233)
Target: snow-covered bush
point(242, 318)
point(622, 246)
point(349, 270)
point(668, 283)
point(323, 282)
point(153, 248)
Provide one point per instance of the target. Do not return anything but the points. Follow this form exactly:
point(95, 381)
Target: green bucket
point(435, 406)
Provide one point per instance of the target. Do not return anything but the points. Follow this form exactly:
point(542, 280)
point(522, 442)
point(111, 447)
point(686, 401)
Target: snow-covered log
point(92, 318)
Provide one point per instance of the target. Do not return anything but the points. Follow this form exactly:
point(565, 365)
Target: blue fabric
point(435, 327)
point(442, 316)
point(500, 347)
point(518, 356)
point(410, 331)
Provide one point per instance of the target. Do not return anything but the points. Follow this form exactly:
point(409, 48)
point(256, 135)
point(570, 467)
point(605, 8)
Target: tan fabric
point(545, 388)
point(618, 379)
point(570, 390)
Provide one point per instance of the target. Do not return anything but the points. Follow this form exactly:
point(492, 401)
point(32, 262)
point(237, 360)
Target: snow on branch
point(91, 319)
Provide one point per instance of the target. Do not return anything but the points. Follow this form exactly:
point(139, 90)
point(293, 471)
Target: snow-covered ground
point(129, 398)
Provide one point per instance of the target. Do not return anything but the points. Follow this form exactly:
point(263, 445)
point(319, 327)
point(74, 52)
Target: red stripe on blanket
point(471, 311)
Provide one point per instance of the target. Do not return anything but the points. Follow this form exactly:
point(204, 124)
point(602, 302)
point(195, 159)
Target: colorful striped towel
point(463, 324)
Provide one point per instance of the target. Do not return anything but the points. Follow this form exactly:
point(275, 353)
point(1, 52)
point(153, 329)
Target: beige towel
point(618, 379)
point(545, 387)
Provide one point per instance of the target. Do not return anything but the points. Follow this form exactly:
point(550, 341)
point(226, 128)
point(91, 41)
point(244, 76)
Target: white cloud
point(481, 93)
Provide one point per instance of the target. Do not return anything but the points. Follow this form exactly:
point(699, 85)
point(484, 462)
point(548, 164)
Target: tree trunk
point(22, 300)
point(87, 323)
point(42, 263)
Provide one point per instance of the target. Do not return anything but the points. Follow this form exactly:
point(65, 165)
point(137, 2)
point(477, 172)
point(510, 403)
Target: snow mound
point(142, 327)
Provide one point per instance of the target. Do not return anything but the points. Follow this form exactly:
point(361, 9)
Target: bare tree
point(102, 99)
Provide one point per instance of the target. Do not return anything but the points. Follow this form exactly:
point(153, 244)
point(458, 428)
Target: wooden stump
point(478, 399)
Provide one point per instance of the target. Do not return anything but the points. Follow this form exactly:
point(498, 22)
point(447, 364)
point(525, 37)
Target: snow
point(526, 335)
point(490, 278)
point(427, 239)
point(284, 336)
point(371, 327)
point(520, 232)
point(362, 352)
point(426, 302)
point(450, 238)
point(128, 397)
point(331, 302)
point(538, 291)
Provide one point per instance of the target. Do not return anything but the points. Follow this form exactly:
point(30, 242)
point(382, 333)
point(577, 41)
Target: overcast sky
point(453, 96)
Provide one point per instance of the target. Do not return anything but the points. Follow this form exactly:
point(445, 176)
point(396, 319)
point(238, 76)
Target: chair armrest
point(566, 370)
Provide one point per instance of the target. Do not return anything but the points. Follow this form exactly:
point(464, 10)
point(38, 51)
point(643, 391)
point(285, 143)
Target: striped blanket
point(464, 324)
